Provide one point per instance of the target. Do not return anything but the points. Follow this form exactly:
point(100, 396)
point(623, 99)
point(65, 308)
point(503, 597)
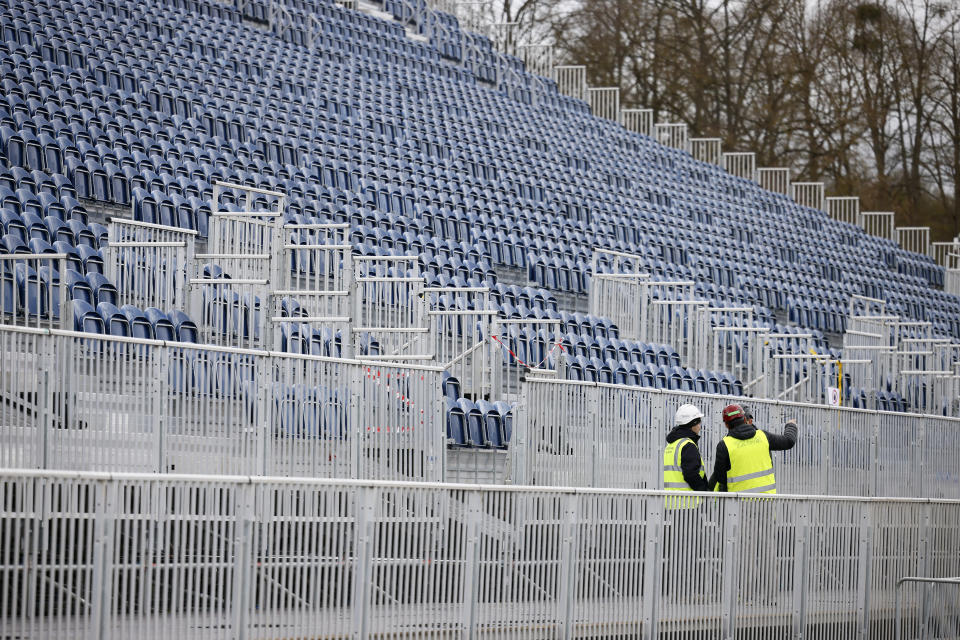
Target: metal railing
point(845, 209)
point(740, 163)
point(880, 224)
point(583, 434)
point(809, 194)
point(149, 263)
point(87, 402)
point(34, 291)
point(915, 239)
point(940, 620)
point(140, 556)
point(776, 179)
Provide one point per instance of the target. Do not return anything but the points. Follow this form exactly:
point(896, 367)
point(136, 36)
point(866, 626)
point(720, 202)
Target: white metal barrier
point(459, 337)
point(951, 276)
point(390, 317)
point(121, 556)
point(880, 224)
point(637, 120)
point(672, 134)
point(915, 239)
point(604, 102)
point(845, 209)
point(809, 194)
point(572, 80)
point(585, 434)
point(741, 164)
point(149, 263)
point(33, 290)
point(229, 298)
point(537, 58)
point(86, 402)
point(316, 284)
point(776, 179)
point(706, 149)
point(941, 250)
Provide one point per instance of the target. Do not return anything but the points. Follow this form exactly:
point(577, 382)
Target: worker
point(682, 465)
point(743, 460)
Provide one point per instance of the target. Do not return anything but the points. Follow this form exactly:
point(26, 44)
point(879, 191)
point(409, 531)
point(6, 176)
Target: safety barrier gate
point(148, 263)
point(121, 556)
point(582, 434)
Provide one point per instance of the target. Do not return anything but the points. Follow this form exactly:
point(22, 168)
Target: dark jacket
point(744, 431)
point(690, 462)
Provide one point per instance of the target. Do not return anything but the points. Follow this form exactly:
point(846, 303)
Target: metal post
point(864, 567)
point(567, 582)
point(243, 560)
point(470, 587)
point(731, 567)
point(161, 391)
point(366, 500)
point(800, 565)
point(653, 559)
point(101, 588)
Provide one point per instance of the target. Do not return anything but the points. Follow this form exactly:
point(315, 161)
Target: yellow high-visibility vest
point(751, 467)
point(673, 474)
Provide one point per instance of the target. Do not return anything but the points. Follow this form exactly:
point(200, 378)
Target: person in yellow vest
point(682, 465)
point(743, 461)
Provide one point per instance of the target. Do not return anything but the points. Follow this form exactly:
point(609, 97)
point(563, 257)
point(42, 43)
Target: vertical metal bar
point(801, 554)
point(653, 559)
point(470, 587)
point(731, 563)
point(243, 577)
point(566, 585)
point(366, 499)
point(864, 567)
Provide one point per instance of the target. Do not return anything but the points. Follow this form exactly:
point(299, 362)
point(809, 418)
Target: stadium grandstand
point(335, 320)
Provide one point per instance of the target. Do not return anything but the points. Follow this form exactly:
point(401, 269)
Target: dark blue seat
point(456, 425)
point(140, 326)
point(474, 420)
point(115, 322)
point(162, 327)
point(184, 327)
point(86, 318)
point(103, 289)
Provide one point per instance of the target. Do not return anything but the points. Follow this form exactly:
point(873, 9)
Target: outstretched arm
point(786, 441)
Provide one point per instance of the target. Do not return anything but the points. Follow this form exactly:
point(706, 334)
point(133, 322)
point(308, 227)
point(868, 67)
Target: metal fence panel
point(99, 556)
point(598, 435)
point(86, 402)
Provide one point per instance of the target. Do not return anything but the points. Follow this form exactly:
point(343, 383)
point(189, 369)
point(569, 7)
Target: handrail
point(921, 580)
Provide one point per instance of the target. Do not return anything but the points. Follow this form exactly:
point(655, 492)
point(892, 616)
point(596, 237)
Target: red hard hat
point(732, 413)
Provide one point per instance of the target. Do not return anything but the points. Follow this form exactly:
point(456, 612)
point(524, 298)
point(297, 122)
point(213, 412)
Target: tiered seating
point(420, 149)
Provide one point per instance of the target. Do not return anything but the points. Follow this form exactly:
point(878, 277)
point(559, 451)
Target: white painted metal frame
point(571, 80)
point(880, 224)
point(915, 239)
point(138, 556)
point(585, 434)
point(637, 120)
point(845, 209)
point(390, 308)
point(673, 134)
point(149, 263)
point(809, 194)
point(604, 102)
point(741, 164)
point(706, 149)
point(86, 402)
point(776, 179)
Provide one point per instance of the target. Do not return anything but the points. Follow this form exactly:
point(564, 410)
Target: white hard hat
point(686, 413)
